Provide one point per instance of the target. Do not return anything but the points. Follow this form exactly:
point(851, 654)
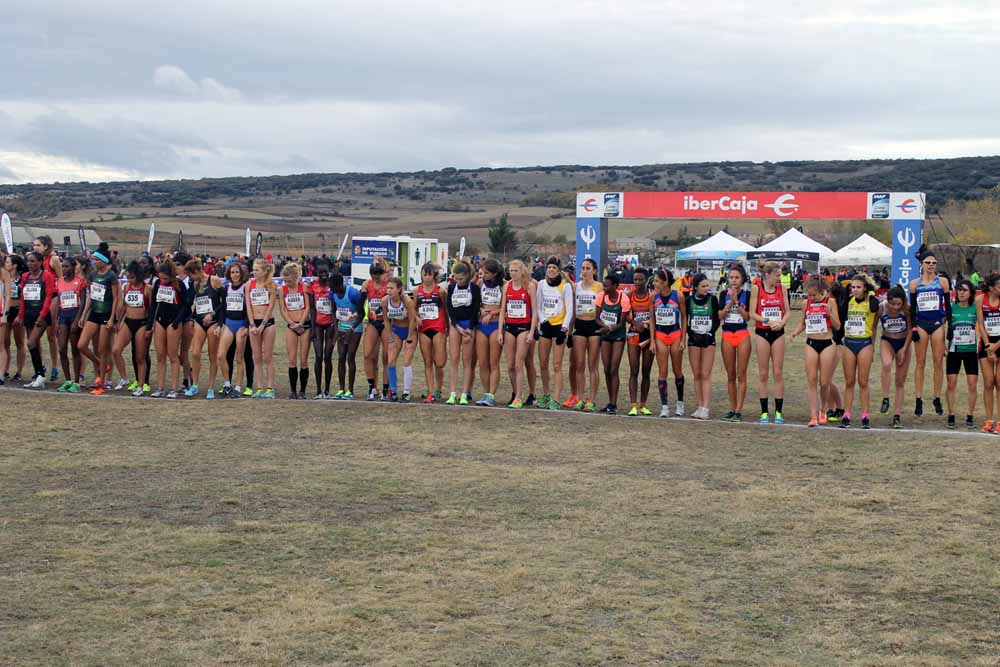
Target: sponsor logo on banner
point(907, 206)
point(369, 250)
point(599, 204)
point(612, 204)
point(588, 235)
point(906, 238)
point(783, 206)
point(879, 206)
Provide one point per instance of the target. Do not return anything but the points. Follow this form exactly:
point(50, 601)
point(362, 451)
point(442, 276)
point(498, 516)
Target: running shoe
point(133, 385)
point(544, 401)
point(482, 401)
point(580, 405)
point(100, 391)
point(515, 404)
point(452, 399)
point(835, 417)
point(228, 389)
point(54, 375)
point(157, 394)
point(437, 395)
point(679, 408)
point(248, 392)
point(988, 426)
point(339, 395)
point(897, 422)
point(611, 409)
point(210, 394)
point(348, 396)
point(884, 410)
point(138, 392)
point(590, 407)
point(571, 402)
point(645, 412)
point(17, 377)
point(269, 393)
point(172, 393)
point(764, 418)
point(728, 417)
point(490, 401)
point(738, 418)
point(464, 400)
point(107, 385)
point(664, 411)
point(528, 402)
point(259, 393)
point(392, 396)
point(996, 428)
point(405, 398)
point(554, 405)
point(813, 423)
point(823, 419)
point(429, 399)
point(37, 383)
point(64, 387)
point(845, 422)
point(145, 388)
point(74, 388)
point(373, 394)
point(122, 384)
point(235, 394)
point(951, 422)
point(292, 396)
point(969, 422)
point(918, 409)
point(778, 418)
point(319, 397)
point(191, 391)
point(633, 411)
point(938, 408)
point(866, 423)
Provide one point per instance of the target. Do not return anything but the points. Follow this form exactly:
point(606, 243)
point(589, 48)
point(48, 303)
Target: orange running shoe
point(571, 402)
point(988, 426)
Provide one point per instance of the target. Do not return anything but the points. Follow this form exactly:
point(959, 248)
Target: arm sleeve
point(154, 306)
point(50, 286)
point(185, 305)
point(714, 308)
point(477, 301)
point(447, 306)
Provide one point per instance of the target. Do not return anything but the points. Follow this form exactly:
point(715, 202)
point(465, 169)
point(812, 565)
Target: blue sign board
point(907, 235)
point(365, 252)
point(592, 243)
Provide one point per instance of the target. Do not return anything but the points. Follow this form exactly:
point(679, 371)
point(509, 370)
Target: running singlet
point(818, 318)
point(259, 296)
point(207, 300)
point(991, 319)
point(611, 314)
point(667, 312)
point(70, 294)
point(36, 294)
point(463, 303)
point(734, 322)
point(15, 288)
point(294, 301)
point(860, 322)
point(324, 305)
point(397, 312)
point(930, 301)
point(491, 293)
point(430, 310)
point(101, 292)
point(135, 297)
point(770, 305)
point(701, 315)
point(236, 302)
point(552, 301)
point(347, 305)
point(586, 299)
point(518, 305)
point(963, 328)
point(894, 325)
point(375, 293)
point(642, 309)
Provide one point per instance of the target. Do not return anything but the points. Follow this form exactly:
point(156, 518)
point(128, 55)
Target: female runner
point(670, 322)
point(15, 267)
point(37, 289)
point(769, 310)
point(963, 349)
point(464, 301)
point(614, 311)
point(586, 342)
point(554, 296)
point(206, 312)
point(233, 329)
point(703, 321)
point(133, 313)
point(895, 349)
point(51, 264)
point(820, 318)
point(348, 305)
point(734, 314)
point(263, 294)
point(488, 334)
point(930, 297)
point(989, 351)
point(433, 319)
point(402, 318)
point(640, 347)
point(67, 310)
point(165, 319)
point(323, 330)
point(104, 295)
point(295, 311)
point(860, 328)
point(517, 316)
point(373, 291)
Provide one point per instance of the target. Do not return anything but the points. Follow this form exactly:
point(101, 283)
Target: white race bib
point(771, 313)
point(701, 324)
point(69, 300)
point(491, 296)
point(323, 306)
point(134, 299)
point(992, 325)
point(551, 306)
point(427, 311)
point(202, 305)
point(928, 302)
point(665, 317)
point(517, 309)
point(259, 296)
point(586, 302)
point(894, 325)
point(609, 318)
point(295, 301)
point(165, 294)
point(855, 327)
point(640, 316)
point(97, 291)
point(234, 302)
point(461, 297)
point(815, 324)
point(15, 291)
point(965, 335)
point(374, 307)
point(344, 314)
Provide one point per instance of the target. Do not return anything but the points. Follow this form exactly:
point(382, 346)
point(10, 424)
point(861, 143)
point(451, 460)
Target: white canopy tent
point(719, 246)
point(862, 251)
point(794, 241)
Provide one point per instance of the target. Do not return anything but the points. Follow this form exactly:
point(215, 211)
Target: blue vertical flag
point(907, 236)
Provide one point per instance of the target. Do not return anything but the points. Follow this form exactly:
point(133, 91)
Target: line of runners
point(490, 314)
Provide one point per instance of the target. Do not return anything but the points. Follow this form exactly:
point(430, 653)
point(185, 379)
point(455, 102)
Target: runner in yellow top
point(554, 296)
point(859, 350)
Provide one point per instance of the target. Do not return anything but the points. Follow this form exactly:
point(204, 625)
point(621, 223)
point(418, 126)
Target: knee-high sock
point(662, 386)
point(407, 379)
point(293, 378)
point(303, 379)
point(391, 371)
point(679, 385)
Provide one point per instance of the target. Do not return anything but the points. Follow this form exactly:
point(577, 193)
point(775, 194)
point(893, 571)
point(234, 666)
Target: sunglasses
point(930, 262)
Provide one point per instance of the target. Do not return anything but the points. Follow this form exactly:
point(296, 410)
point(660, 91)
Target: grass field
point(150, 532)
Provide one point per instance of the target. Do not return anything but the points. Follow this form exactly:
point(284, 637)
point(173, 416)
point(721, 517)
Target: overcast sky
point(109, 90)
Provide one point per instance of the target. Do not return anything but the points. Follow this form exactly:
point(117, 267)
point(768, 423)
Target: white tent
point(862, 251)
point(719, 246)
point(795, 241)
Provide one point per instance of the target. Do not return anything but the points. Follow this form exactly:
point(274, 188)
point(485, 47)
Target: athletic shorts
point(30, 320)
point(269, 323)
point(378, 324)
point(134, 324)
point(982, 346)
point(516, 329)
point(734, 338)
point(552, 332)
point(819, 344)
point(585, 328)
point(641, 338)
point(896, 343)
point(956, 360)
point(618, 337)
point(66, 317)
point(305, 329)
point(770, 335)
point(668, 338)
point(929, 327)
point(856, 345)
point(236, 325)
point(402, 333)
point(701, 340)
point(99, 318)
point(430, 333)
point(12, 313)
point(486, 329)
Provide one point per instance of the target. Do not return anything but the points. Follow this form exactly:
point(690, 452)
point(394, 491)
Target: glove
point(915, 335)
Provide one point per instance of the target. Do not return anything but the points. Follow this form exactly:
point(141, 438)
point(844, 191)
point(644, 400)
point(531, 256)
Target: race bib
point(815, 324)
point(374, 307)
point(323, 306)
point(609, 318)
point(928, 301)
point(734, 317)
point(666, 317)
point(461, 297)
point(771, 313)
point(165, 295)
point(965, 335)
point(344, 314)
point(97, 291)
point(491, 296)
point(551, 306)
point(202, 305)
point(586, 302)
point(69, 300)
point(894, 325)
point(701, 324)
point(295, 301)
point(640, 316)
point(992, 325)
point(855, 327)
point(517, 309)
point(234, 301)
point(15, 291)
point(428, 311)
point(134, 299)
point(259, 296)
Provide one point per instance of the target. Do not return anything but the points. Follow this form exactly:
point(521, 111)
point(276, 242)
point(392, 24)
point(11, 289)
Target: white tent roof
point(862, 251)
point(795, 241)
point(719, 246)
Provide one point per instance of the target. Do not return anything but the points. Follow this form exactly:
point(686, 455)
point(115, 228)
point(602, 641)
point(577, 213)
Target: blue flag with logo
point(907, 236)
